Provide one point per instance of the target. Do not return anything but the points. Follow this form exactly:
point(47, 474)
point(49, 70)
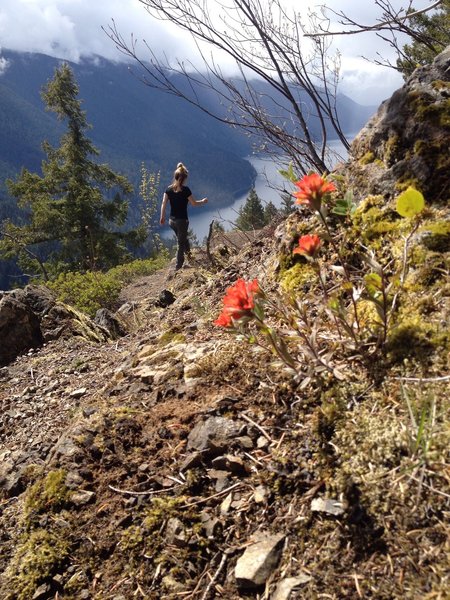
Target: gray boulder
point(19, 326)
point(406, 142)
point(113, 324)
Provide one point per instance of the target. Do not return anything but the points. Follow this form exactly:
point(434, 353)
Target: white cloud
point(72, 29)
point(4, 64)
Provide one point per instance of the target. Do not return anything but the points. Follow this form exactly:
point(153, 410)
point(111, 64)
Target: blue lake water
point(267, 185)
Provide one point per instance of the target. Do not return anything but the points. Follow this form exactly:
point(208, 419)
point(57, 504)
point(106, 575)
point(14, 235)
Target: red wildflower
point(224, 319)
point(312, 189)
point(238, 302)
point(308, 245)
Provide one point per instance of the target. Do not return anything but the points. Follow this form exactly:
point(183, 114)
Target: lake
point(267, 181)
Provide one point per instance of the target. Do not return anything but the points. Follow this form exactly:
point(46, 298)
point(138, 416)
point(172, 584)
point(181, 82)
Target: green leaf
point(289, 174)
point(345, 206)
point(374, 284)
point(410, 203)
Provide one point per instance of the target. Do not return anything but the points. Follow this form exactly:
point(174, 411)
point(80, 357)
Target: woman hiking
point(179, 195)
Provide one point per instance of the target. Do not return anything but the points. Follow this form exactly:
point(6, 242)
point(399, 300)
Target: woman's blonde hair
point(179, 176)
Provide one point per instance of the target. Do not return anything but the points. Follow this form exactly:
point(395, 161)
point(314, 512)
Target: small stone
point(262, 442)
point(226, 505)
point(213, 435)
point(211, 524)
point(221, 478)
point(328, 506)
point(259, 560)
point(82, 497)
point(231, 463)
point(89, 411)
point(42, 592)
point(191, 461)
point(165, 299)
point(77, 393)
point(288, 585)
point(245, 442)
point(176, 532)
point(73, 480)
point(261, 495)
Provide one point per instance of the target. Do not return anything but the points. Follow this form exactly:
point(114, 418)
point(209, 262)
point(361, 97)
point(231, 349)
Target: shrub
point(93, 290)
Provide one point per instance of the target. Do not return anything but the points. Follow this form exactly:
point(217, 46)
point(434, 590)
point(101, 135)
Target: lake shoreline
point(267, 183)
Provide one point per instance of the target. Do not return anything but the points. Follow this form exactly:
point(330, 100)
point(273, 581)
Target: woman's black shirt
point(178, 202)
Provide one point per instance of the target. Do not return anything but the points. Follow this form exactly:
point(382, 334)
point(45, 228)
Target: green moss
point(132, 539)
point(372, 220)
point(405, 182)
point(436, 112)
point(434, 151)
point(368, 158)
point(430, 268)
point(412, 339)
point(391, 149)
point(437, 236)
point(369, 446)
point(300, 277)
point(171, 337)
point(427, 304)
point(438, 84)
point(160, 510)
point(368, 316)
point(37, 557)
point(47, 495)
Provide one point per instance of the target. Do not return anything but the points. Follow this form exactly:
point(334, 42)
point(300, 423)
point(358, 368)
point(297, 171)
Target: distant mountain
point(131, 124)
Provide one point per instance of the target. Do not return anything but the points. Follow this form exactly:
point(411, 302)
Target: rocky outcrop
point(406, 142)
point(32, 316)
point(19, 326)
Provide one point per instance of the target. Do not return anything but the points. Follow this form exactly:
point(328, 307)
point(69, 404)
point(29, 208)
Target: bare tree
point(267, 44)
point(392, 26)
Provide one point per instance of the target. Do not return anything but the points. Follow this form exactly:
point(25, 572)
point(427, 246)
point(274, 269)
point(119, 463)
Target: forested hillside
point(131, 124)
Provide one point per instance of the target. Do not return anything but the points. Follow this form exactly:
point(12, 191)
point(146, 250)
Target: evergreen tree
point(251, 214)
point(432, 36)
point(287, 204)
point(72, 225)
point(270, 212)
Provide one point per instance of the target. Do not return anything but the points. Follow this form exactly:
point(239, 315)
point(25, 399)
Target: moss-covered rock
point(407, 140)
point(38, 556)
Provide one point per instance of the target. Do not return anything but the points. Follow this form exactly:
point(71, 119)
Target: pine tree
point(251, 214)
point(270, 212)
point(432, 37)
point(287, 204)
point(73, 224)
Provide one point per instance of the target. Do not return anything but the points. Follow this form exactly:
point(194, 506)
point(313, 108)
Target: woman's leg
point(180, 227)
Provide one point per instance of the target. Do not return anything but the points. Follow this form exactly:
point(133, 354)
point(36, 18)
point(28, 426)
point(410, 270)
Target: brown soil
point(89, 413)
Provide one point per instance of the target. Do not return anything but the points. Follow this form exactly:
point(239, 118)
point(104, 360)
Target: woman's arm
point(195, 202)
point(162, 219)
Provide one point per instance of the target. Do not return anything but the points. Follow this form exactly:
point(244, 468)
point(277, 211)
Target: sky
point(72, 30)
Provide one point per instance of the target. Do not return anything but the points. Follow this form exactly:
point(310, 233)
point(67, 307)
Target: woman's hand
point(162, 220)
point(205, 200)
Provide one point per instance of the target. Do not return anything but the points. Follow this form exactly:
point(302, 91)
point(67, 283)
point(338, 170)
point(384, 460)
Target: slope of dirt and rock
point(179, 461)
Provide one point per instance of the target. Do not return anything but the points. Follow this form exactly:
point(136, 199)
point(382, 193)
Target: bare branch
point(387, 24)
point(297, 114)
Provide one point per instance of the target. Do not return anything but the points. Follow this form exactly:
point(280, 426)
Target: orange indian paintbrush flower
point(238, 302)
point(312, 188)
point(308, 245)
